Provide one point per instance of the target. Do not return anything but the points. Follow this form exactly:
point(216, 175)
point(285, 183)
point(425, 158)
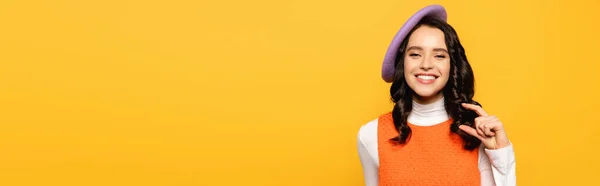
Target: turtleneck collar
point(428, 114)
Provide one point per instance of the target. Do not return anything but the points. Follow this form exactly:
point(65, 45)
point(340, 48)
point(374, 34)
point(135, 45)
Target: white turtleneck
point(429, 114)
point(497, 167)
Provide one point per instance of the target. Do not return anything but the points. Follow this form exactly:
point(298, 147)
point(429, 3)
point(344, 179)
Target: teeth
point(426, 77)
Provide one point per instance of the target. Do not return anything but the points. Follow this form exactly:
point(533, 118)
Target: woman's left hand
point(488, 129)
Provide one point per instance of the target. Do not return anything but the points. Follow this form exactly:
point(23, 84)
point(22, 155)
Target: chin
point(426, 94)
point(426, 91)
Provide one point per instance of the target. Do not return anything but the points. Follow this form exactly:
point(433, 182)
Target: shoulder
point(367, 133)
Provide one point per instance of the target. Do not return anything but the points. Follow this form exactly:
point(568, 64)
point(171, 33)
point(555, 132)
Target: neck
point(428, 113)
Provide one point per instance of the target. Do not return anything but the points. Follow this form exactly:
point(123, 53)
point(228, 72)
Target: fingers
point(479, 125)
point(471, 131)
point(486, 125)
point(475, 108)
point(487, 130)
point(491, 126)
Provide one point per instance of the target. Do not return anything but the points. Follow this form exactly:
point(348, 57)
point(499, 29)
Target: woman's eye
point(413, 55)
point(440, 56)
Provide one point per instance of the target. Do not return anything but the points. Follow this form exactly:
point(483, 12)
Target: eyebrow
point(421, 48)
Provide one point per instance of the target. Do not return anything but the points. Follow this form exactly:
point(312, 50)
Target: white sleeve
point(497, 166)
point(370, 168)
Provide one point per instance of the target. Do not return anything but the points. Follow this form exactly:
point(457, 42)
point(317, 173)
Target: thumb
point(470, 131)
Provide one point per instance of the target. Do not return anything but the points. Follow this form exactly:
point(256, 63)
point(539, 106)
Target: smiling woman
point(436, 134)
point(427, 64)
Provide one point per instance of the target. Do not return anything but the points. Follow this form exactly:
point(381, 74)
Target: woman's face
point(427, 64)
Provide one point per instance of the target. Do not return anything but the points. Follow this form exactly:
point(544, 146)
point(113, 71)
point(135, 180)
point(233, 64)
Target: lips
point(426, 78)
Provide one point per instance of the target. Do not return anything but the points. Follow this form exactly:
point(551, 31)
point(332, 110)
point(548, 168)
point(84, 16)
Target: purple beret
point(387, 71)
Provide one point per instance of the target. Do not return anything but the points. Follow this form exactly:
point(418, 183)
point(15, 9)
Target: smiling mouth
point(426, 77)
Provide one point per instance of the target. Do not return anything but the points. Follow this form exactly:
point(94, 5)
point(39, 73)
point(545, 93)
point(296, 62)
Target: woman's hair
point(459, 88)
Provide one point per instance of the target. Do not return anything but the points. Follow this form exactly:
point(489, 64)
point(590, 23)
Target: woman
point(436, 133)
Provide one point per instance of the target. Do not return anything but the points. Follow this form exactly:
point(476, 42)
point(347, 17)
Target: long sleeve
point(369, 166)
point(370, 169)
point(498, 167)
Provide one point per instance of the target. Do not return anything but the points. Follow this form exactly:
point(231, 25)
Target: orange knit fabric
point(432, 156)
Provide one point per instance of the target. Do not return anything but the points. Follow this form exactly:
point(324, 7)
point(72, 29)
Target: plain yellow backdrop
point(271, 92)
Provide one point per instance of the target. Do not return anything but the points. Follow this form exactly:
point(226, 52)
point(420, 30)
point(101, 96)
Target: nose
point(426, 64)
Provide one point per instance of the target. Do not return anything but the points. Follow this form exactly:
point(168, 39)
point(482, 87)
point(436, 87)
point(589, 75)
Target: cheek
point(444, 68)
point(409, 66)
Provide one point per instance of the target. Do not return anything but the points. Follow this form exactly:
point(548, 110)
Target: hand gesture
point(488, 129)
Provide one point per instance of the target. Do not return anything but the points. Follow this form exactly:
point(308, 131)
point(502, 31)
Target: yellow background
point(270, 92)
